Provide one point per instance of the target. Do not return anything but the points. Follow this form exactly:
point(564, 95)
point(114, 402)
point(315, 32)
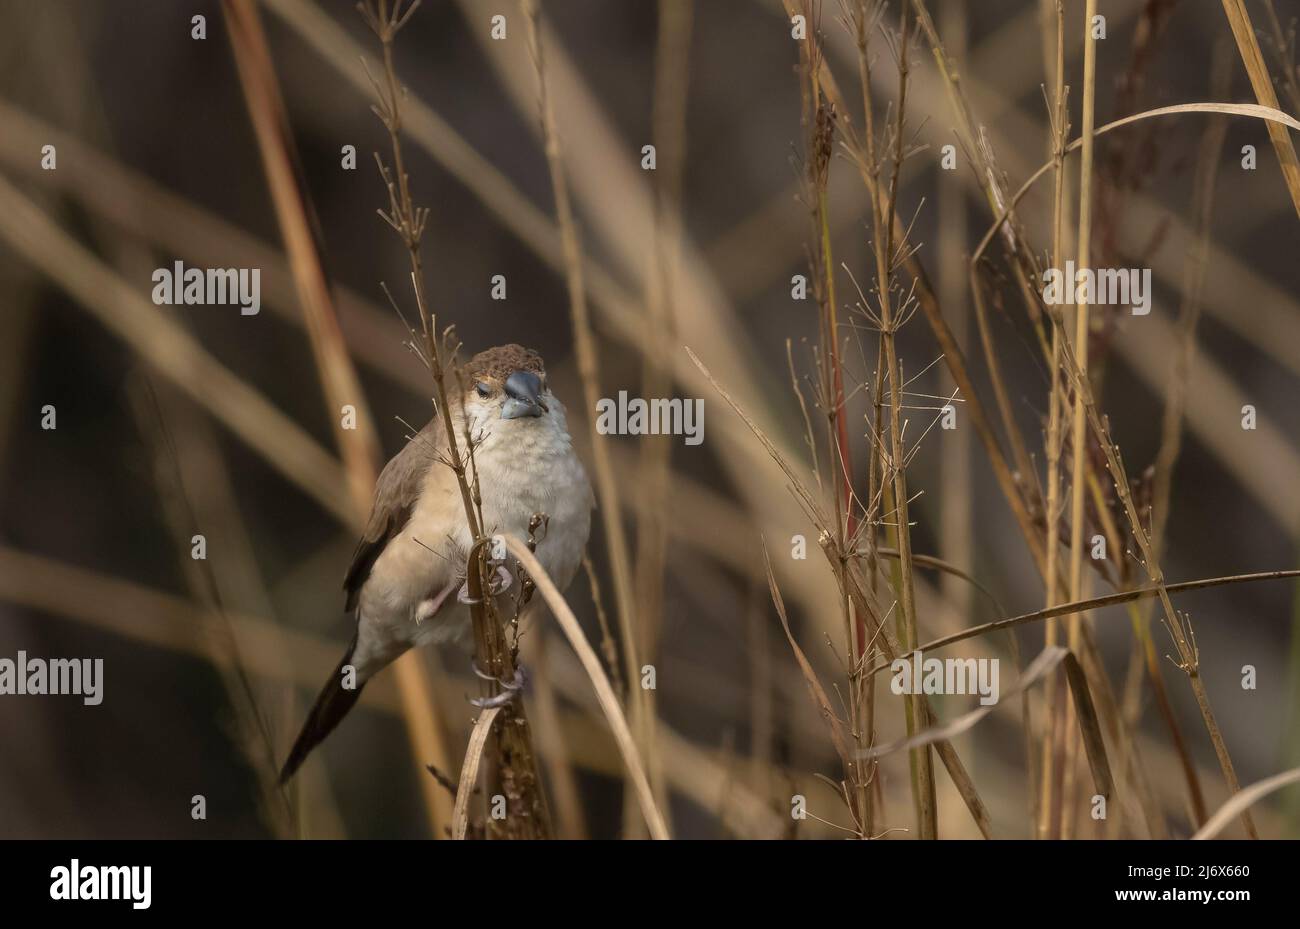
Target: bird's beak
point(523, 396)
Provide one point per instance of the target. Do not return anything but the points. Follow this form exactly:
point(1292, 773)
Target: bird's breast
point(540, 477)
point(536, 472)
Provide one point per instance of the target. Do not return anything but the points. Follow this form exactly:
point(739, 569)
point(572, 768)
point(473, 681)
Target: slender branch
point(515, 760)
point(589, 372)
point(1095, 603)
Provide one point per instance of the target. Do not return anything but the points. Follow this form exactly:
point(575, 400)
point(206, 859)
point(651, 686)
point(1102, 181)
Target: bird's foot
point(509, 689)
point(498, 584)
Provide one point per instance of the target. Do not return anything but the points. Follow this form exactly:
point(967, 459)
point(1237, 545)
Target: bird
point(406, 583)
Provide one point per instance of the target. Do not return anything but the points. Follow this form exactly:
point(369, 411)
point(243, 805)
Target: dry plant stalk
point(514, 769)
point(1096, 603)
point(1005, 211)
point(609, 703)
point(1179, 629)
point(1004, 206)
point(853, 579)
point(1037, 670)
point(956, 523)
point(1253, 110)
point(890, 320)
point(1206, 173)
point(1240, 802)
point(819, 123)
point(1059, 122)
point(359, 447)
point(561, 766)
point(1262, 83)
point(1284, 48)
point(855, 565)
point(954, 358)
point(1058, 822)
point(671, 83)
point(1019, 493)
point(880, 163)
point(478, 738)
point(589, 373)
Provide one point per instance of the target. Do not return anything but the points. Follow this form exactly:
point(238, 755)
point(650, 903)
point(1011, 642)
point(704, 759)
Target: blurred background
point(177, 420)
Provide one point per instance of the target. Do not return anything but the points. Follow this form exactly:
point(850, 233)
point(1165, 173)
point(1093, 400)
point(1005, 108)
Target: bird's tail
point(330, 707)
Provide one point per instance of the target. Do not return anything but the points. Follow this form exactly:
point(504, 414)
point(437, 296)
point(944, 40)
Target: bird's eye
point(484, 390)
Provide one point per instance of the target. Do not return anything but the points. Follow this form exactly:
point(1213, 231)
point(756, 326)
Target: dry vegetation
point(1097, 700)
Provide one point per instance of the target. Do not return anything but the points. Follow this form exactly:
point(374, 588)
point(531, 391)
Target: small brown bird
point(406, 582)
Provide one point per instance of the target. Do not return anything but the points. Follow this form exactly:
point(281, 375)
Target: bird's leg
point(430, 607)
point(498, 584)
point(509, 689)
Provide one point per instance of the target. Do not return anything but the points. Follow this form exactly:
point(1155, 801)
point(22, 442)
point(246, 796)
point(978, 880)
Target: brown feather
point(329, 709)
point(396, 491)
point(504, 360)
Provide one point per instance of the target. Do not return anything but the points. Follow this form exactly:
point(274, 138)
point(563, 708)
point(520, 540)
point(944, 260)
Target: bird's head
point(506, 387)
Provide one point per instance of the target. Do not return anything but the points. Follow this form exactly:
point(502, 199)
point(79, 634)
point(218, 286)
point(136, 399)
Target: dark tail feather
point(330, 707)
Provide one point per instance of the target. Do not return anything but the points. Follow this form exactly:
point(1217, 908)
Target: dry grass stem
point(515, 766)
point(1262, 83)
point(609, 702)
point(589, 372)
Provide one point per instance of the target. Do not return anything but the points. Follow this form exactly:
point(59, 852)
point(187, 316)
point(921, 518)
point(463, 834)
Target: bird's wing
point(396, 491)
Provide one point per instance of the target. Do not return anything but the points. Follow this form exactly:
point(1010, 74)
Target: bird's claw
point(509, 689)
point(497, 585)
point(487, 703)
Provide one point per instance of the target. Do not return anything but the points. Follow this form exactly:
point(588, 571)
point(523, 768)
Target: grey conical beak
point(523, 396)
